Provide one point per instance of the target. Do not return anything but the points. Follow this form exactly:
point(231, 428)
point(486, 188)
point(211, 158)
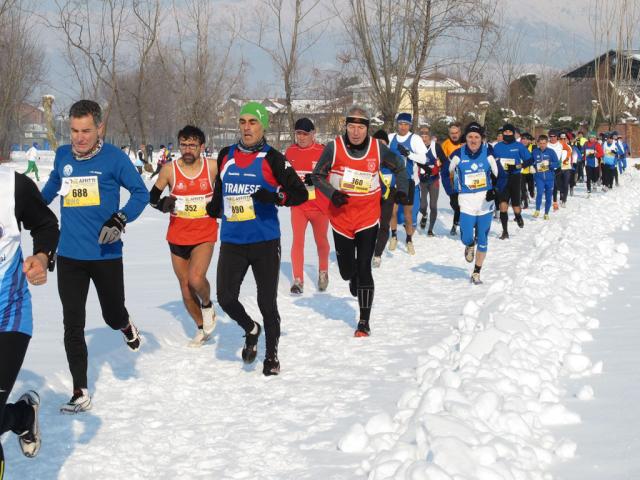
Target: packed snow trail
point(179, 413)
point(608, 438)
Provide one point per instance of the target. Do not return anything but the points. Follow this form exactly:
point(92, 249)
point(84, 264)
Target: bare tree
point(286, 30)
point(614, 24)
point(382, 32)
point(21, 67)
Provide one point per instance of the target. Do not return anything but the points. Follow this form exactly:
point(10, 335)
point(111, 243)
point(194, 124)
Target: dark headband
point(360, 120)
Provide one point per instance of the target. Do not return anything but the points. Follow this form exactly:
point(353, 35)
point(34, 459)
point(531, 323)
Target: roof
point(588, 69)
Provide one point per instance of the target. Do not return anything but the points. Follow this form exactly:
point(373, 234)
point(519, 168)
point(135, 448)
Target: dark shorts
point(182, 251)
point(512, 191)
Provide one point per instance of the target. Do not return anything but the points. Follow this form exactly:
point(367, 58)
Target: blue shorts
point(475, 228)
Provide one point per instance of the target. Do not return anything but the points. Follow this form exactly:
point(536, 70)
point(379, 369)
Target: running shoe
point(30, 439)
point(80, 402)
point(363, 329)
point(297, 287)
point(271, 366)
point(469, 253)
point(323, 281)
point(250, 349)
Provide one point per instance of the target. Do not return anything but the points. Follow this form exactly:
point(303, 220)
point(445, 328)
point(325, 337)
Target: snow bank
point(486, 398)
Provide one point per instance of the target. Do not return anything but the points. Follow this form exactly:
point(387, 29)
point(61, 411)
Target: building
point(439, 96)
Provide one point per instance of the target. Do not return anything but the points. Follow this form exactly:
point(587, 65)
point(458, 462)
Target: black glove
point(210, 210)
point(491, 195)
point(508, 167)
point(402, 198)
point(166, 204)
point(403, 151)
point(307, 180)
point(339, 198)
point(263, 195)
point(112, 229)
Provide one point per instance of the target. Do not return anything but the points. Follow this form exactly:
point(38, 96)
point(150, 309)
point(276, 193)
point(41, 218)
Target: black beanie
point(474, 127)
point(509, 126)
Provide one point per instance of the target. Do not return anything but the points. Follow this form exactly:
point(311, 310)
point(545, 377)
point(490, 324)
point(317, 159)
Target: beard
point(188, 158)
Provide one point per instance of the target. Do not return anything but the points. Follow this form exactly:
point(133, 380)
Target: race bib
point(356, 181)
point(474, 181)
point(507, 161)
point(543, 166)
point(193, 206)
point(239, 208)
point(311, 192)
point(80, 191)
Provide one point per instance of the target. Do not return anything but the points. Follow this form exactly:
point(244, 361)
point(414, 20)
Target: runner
point(21, 205)
point(163, 159)
point(353, 162)
point(451, 144)
point(473, 164)
point(623, 153)
point(430, 180)
point(88, 175)
point(592, 154)
point(413, 150)
point(528, 182)
point(387, 202)
point(565, 171)
point(610, 150)
point(564, 157)
point(303, 156)
point(545, 163)
point(254, 178)
point(513, 156)
point(32, 157)
point(192, 233)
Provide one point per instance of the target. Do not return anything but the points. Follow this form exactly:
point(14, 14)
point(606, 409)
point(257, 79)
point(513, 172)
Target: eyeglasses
point(189, 146)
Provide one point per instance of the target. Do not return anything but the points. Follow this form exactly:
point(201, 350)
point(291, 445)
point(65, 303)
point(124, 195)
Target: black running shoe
point(430, 233)
point(250, 349)
point(271, 366)
point(363, 329)
point(520, 221)
point(132, 337)
point(423, 222)
point(505, 235)
point(454, 230)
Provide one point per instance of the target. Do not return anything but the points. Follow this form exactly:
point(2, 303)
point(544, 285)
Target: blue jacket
point(513, 153)
point(545, 159)
point(89, 195)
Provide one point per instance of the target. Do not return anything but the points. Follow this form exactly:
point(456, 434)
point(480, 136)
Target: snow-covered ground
point(456, 382)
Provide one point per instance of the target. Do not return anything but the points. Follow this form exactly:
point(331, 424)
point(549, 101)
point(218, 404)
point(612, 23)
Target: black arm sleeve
point(322, 170)
point(33, 213)
point(216, 201)
point(154, 196)
point(287, 178)
point(440, 154)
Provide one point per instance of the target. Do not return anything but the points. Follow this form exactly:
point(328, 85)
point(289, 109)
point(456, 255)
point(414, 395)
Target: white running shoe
point(375, 263)
point(79, 402)
point(410, 248)
point(133, 339)
point(30, 440)
point(199, 339)
point(209, 320)
point(323, 281)
point(475, 278)
point(393, 243)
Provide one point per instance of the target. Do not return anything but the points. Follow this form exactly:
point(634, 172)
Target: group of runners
point(362, 185)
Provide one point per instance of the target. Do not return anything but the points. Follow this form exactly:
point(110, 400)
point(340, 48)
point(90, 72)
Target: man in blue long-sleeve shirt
point(87, 175)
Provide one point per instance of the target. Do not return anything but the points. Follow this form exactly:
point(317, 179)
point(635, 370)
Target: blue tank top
point(406, 144)
point(473, 174)
point(244, 220)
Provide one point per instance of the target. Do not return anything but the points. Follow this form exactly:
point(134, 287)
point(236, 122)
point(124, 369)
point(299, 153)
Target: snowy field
point(492, 382)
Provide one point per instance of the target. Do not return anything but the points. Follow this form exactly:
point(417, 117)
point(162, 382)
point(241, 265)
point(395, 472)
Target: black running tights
point(354, 262)
point(13, 416)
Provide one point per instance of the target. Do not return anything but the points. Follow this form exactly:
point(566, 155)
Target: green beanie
point(257, 110)
point(593, 134)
